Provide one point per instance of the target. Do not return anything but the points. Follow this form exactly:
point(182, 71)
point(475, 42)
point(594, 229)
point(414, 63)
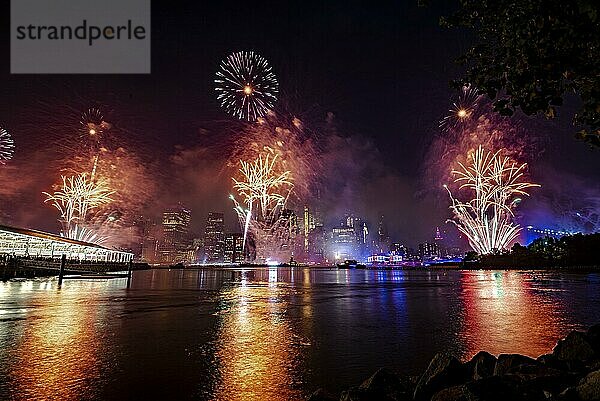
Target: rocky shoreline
point(570, 373)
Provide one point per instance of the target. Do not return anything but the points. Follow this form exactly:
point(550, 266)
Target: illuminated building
point(381, 242)
point(398, 249)
point(429, 251)
point(149, 241)
point(233, 248)
point(343, 243)
point(175, 246)
point(214, 238)
point(38, 244)
point(438, 235)
point(383, 259)
point(317, 242)
point(314, 236)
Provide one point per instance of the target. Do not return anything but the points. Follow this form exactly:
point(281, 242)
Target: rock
point(569, 394)
point(593, 336)
point(481, 365)
point(588, 388)
point(355, 394)
point(506, 362)
point(454, 393)
point(574, 347)
point(492, 388)
point(546, 359)
point(384, 383)
point(443, 371)
point(361, 394)
point(321, 395)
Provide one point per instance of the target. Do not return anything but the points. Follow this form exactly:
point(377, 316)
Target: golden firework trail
point(7, 146)
point(264, 192)
point(496, 182)
point(77, 196)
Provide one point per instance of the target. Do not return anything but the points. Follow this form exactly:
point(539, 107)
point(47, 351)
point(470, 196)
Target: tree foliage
point(570, 250)
point(529, 53)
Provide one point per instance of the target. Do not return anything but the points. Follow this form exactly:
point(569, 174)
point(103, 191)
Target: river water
point(268, 333)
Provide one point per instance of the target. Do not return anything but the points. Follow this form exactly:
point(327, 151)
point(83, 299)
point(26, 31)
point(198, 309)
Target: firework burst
point(264, 188)
point(75, 199)
point(92, 123)
point(496, 183)
point(481, 126)
point(7, 146)
point(462, 109)
point(246, 86)
point(288, 138)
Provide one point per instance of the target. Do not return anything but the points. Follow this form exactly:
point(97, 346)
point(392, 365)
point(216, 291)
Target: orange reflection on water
point(498, 305)
point(56, 357)
point(257, 350)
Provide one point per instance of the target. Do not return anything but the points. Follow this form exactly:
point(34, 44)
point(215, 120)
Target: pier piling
point(129, 268)
point(61, 273)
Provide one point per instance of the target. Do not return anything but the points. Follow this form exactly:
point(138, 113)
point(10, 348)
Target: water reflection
point(499, 306)
point(257, 349)
point(57, 355)
point(276, 334)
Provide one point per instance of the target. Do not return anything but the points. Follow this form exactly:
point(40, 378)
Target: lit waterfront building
point(234, 248)
point(214, 238)
point(385, 259)
point(28, 243)
point(175, 246)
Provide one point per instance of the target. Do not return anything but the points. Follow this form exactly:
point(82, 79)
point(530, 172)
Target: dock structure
point(27, 243)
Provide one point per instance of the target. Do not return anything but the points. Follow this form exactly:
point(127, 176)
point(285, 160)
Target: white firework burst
point(496, 183)
point(246, 85)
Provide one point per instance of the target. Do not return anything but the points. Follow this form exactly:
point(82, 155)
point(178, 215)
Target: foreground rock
point(570, 373)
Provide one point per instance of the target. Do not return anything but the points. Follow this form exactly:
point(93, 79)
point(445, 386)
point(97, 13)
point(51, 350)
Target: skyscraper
point(176, 244)
point(149, 241)
point(214, 238)
point(234, 244)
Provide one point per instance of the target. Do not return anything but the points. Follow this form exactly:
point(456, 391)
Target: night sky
point(383, 69)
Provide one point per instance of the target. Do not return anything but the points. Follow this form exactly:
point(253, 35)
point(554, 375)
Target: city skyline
point(171, 241)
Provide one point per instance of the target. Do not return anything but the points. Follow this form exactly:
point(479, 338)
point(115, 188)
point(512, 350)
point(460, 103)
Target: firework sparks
point(246, 86)
point(497, 183)
point(462, 109)
point(264, 190)
point(7, 146)
point(76, 198)
point(288, 138)
point(92, 123)
point(480, 126)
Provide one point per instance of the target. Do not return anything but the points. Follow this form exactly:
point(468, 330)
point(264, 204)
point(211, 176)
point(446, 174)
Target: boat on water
point(350, 264)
